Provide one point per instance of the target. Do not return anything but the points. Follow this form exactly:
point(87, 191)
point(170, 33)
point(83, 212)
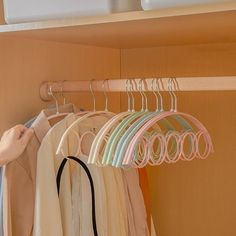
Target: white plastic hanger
point(80, 119)
point(100, 140)
point(120, 129)
point(58, 114)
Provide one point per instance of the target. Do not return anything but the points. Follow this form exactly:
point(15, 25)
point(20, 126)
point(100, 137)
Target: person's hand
point(13, 143)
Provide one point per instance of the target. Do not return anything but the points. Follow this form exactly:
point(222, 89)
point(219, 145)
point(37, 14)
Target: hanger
point(129, 157)
point(96, 152)
point(79, 120)
point(187, 132)
point(127, 137)
point(153, 135)
point(204, 133)
point(122, 143)
point(52, 118)
point(174, 135)
point(120, 129)
point(157, 157)
point(132, 130)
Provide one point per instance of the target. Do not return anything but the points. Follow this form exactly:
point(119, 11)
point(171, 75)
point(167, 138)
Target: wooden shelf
point(212, 23)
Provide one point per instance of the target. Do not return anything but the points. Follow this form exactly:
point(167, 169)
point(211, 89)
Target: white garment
point(114, 198)
point(82, 201)
point(57, 216)
point(50, 212)
point(116, 202)
point(138, 221)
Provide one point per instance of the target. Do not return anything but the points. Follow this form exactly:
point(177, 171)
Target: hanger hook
point(155, 94)
point(170, 90)
point(132, 82)
point(175, 87)
point(62, 92)
point(127, 89)
point(93, 96)
point(158, 88)
point(105, 93)
point(144, 88)
point(50, 93)
point(141, 93)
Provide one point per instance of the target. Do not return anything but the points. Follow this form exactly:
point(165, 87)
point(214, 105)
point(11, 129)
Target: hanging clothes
point(135, 197)
point(144, 185)
point(19, 180)
point(65, 214)
point(115, 194)
point(92, 189)
point(116, 202)
point(82, 201)
point(58, 219)
point(42, 213)
point(48, 214)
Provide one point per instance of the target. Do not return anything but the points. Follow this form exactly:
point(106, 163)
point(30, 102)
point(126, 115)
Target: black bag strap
point(85, 168)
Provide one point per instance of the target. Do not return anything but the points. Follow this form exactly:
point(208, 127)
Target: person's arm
point(13, 143)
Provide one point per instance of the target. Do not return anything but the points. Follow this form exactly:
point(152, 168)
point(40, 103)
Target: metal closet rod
point(226, 83)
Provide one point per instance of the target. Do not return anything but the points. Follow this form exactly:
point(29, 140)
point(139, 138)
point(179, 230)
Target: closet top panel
point(212, 23)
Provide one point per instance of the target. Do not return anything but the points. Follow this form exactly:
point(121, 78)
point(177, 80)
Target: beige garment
point(115, 188)
point(138, 220)
point(117, 213)
point(53, 215)
point(19, 181)
point(48, 213)
point(82, 201)
point(81, 192)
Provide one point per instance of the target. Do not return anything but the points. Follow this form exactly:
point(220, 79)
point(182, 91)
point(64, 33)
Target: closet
point(187, 198)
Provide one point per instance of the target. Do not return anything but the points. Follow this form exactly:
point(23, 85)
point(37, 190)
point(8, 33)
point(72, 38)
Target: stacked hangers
point(137, 138)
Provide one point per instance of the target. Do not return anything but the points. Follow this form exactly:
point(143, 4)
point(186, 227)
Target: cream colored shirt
point(59, 216)
point(82, 201)
point(112, 201)
point(49, 214)
point(19, 181)
point(138, 218)
point(115, 199)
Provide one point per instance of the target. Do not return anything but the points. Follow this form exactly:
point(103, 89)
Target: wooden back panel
point(194, 198)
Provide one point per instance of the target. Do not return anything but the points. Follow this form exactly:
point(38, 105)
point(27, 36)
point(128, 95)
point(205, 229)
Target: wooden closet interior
point(188, 198)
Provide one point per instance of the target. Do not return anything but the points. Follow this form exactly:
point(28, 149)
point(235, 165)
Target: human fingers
point(18, 131)
point(27, 135)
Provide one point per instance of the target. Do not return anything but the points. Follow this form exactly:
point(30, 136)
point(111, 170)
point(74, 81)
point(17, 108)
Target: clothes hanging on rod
point(43, 119)
point(19, 180)
point(82, 164)
point(41, 125)
point(107, 180)
point(107, 144)
point(58, 219)
point(135, 197)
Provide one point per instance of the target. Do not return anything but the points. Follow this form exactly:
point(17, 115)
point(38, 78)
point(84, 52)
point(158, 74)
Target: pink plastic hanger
point(96, 152)
point(180, 138)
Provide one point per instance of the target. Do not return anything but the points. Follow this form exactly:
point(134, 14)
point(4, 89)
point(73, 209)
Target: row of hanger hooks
point(131, 86)
point(137, 138)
